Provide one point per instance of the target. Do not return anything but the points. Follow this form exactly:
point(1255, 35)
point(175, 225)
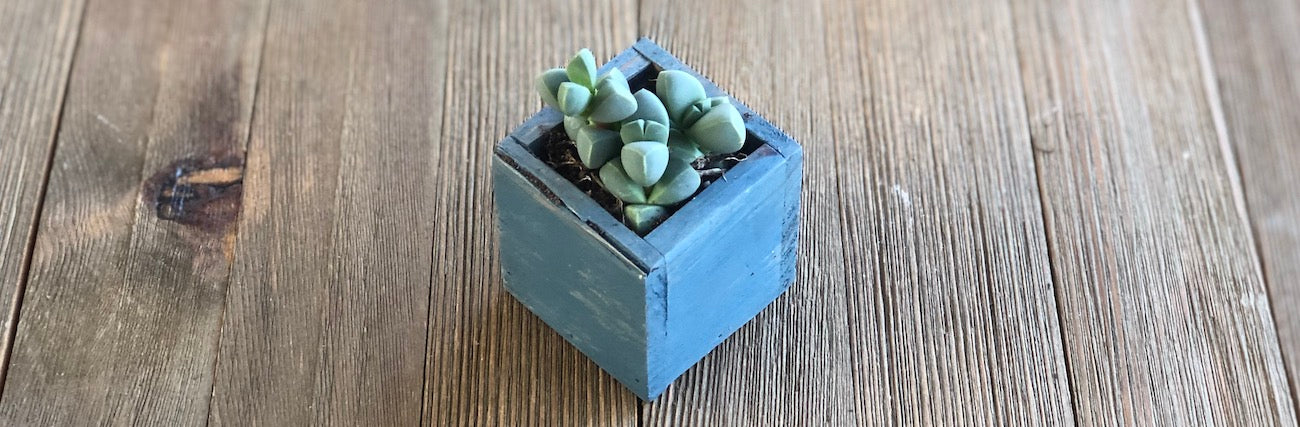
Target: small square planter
point(647, 308)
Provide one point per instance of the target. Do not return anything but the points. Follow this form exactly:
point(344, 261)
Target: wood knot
point(204, 193)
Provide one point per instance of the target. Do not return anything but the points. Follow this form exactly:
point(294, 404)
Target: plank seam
point(839, 192)
point(248, 138)
point(849, 325)
point(883, 317)
point(11, 333)
point(1232, 162)
point(425, 404)
point(1044, 221)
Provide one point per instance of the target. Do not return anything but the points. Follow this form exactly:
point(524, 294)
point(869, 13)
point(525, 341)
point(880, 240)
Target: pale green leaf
point(573, 125)
point(597, 146)
point(548, 85)
point(678, 90)
point(721, 130)
point(645, 161)
point(613, 101)
point(643, 218)
point(582, 69)
point(649, 107)
point(681, 147)
point(643, 130)
point(614, 178)
point(678, 183)
point(573, 98)
point(614, 78)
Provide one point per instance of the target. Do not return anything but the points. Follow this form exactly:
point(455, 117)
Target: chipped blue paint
point(647, 309)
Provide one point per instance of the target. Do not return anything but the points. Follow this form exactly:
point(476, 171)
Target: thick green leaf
point(681, 147)
point(649, 107)
point(643, 218)
point(721, 130)
point(632, 131)
point(597, 146)
point(694, 113)
point(645, 161)
point(573, 125)
point(573, 98)
point(614, 78)
point(614, 101)
point(678, 90)
point(612, 106)
point(614, 178)
point(643, 130)
point(679, 183)
point(548, 85)
point(582, 68)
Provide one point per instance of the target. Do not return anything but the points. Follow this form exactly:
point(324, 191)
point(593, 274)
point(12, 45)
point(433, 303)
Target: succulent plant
point(643, 143)
point(646, 206)
point(591, 105)
point(712, 125)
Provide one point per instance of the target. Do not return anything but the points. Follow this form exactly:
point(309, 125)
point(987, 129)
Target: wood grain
point(491, 362)
point(791, 364)
point(121, 312)
point(1255, 51)
point(38, 40)
point(1014, 211)
point(329, 290)
point(951, 293)
point(925, 287)
point(1165, 314)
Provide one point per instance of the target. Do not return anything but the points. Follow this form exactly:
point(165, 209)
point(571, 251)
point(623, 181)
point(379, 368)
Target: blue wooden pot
point(647, 308)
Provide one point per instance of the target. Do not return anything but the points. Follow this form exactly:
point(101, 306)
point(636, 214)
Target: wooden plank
point(952, 293)
point(790, 365)
point(38, 39)
point(1255, 51)
point(329, 291)
point(121, 313)
point(490, 361)
point(922, 225)
point(1165, 314)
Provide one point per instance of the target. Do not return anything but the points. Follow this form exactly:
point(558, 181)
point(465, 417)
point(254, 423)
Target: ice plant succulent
point(580, 241)
point(643, 143)
point(591, 105)
point(709, 125)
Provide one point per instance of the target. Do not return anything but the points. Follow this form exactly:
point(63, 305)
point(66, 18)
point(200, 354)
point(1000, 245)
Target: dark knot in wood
point(204, 193)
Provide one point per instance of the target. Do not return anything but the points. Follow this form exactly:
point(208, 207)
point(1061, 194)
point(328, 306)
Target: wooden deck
point(278, 212)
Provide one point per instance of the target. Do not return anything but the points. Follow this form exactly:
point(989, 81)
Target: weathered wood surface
point(37, 39)
point(329, 291)
point(491, 362)
point(1255, 52)
point(123, 303)
point(924, 194)
point(1164, 311)
point(809, 359)
point(1013, 210)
